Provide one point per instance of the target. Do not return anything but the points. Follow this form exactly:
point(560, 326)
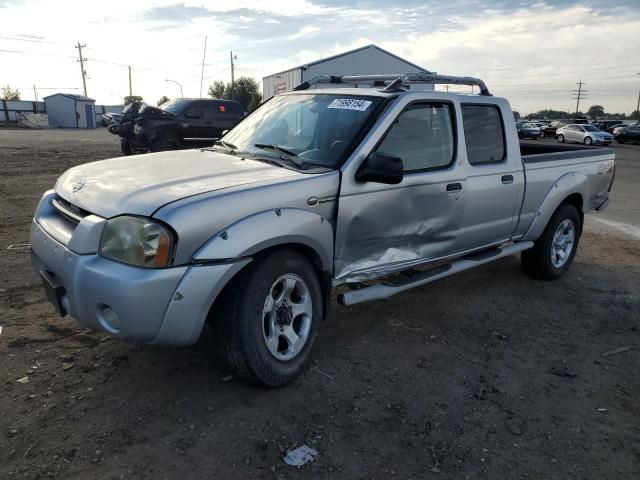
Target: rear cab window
point(484, 134)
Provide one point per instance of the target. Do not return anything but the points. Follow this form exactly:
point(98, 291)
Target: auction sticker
point(350, 104)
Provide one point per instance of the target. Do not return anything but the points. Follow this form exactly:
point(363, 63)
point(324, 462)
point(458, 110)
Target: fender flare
point(271, 228)
point(569, 184)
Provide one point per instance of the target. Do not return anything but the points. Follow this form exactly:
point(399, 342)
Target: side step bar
point(377, 292)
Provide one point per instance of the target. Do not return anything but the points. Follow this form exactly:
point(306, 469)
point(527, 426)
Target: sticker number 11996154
point(350, 104)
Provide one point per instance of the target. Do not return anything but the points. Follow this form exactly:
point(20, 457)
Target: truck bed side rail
point(395, 82)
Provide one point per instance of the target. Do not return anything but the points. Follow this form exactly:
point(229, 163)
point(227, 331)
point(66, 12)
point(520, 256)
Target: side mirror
point(381, 168)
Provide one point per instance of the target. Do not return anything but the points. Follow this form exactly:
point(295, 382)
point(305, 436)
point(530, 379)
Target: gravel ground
point(487, 374)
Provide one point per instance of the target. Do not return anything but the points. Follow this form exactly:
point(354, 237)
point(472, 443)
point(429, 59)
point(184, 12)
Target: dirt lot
point(488, 374)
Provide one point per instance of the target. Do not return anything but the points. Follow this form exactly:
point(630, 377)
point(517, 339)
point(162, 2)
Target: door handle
point(507, 179)
point(454, 187)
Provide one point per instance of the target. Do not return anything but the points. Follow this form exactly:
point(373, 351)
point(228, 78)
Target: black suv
point(630, 133)
point(179, 123)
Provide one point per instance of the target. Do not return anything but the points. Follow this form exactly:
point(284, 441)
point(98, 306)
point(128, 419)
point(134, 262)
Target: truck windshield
point(317, 129)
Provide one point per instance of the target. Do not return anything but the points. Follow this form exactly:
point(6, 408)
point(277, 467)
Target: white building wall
point(366, 61)
point(82, 113)
point(369, 61)
point(280, 82)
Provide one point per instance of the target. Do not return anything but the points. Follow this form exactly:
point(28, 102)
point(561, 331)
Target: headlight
point(137, 241)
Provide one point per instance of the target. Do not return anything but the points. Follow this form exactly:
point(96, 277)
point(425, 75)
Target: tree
point(130, 99)
point(635, 115)
point(245, 91)
point(516, 114)
point(162, 100)
point(8, 93)
point(217, 89)
point(595, 111)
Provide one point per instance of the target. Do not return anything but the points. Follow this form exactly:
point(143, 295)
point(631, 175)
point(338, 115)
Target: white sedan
point(587, 134)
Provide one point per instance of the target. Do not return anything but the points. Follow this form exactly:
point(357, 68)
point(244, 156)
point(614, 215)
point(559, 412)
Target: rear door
point(493, 178)
point(384, 228)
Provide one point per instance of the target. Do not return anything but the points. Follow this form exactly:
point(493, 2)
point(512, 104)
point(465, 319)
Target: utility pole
point(579, 94)
point(81, 59)
point(233, 88)
point(204, 55)
point(35, 92)
point(130, 89)
point(638, 105)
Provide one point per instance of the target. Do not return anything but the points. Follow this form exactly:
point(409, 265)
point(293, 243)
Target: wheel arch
point(571, 188)
point(260, 234)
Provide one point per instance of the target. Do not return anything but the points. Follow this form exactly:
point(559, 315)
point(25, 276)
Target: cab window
point(422, 136)
point(484, 134)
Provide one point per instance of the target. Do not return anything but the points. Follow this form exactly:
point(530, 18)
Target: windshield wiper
point(225, 144)
point(292, 156)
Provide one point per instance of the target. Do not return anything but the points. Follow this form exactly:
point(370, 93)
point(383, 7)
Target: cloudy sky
point(532, 53)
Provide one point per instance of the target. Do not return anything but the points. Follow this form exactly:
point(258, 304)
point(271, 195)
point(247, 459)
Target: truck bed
point(542, 152)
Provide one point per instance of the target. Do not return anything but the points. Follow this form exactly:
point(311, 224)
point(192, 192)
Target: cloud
point(531, 53)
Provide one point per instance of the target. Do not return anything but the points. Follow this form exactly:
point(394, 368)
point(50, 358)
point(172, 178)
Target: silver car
point(587, 134)
point(318, 188)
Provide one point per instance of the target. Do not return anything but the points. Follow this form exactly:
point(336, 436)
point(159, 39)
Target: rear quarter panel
point(550, 179)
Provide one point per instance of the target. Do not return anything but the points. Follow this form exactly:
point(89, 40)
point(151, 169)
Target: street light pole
point(177, 83)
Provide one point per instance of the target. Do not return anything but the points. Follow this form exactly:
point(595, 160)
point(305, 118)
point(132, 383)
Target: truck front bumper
point(161, 306)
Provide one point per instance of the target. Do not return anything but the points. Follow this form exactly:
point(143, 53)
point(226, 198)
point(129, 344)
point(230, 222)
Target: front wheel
point(588, 141)
point(555, 250)
point(269, 318)
point(560, 138)
point(125, 146)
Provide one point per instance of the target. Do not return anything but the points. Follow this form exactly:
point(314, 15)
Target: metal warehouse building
point(367, 60)
point(70, 111)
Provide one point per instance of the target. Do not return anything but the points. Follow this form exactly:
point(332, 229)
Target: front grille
point(68, 210)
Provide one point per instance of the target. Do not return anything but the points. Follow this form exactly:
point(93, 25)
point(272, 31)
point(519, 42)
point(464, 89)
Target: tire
point(164, 141)
point(125, 146)
point(588, 141)
point(253, 333)
point(620, 141)
point(560, 138)
point(544, 261)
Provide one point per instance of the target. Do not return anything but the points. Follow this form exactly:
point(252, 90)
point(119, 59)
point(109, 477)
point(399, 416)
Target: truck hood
point(141, 184)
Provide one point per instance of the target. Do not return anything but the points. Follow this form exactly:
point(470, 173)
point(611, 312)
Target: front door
point(193, 121)
point(385, 228)
point(88, 112)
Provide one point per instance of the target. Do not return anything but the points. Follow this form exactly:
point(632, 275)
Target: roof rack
point(398, 81)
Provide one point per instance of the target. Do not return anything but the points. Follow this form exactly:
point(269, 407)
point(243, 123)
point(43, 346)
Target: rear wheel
point(588, 141)
point(269, 318)
point(555, 250)
point(560, 138)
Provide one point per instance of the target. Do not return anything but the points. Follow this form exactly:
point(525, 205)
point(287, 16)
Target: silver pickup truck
point(318, 188)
